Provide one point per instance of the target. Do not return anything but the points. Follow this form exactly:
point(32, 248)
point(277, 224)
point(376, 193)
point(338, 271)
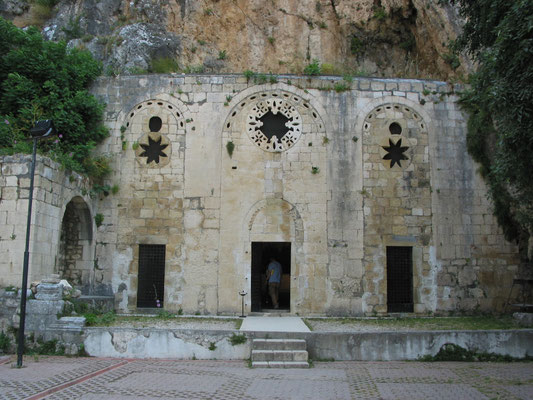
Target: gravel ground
point(337, 326)
point(317, 324)
point(181, 323)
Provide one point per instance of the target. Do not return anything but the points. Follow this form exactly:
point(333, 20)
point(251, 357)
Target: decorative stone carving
point(155, 121)
point(274, 124)
point(395, 129)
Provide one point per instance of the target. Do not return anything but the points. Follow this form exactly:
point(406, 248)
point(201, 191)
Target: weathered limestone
point(208, 165)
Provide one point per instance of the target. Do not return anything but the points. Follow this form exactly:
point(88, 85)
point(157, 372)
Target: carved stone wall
point(209, 165)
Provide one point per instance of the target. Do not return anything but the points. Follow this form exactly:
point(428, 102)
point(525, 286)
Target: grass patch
point(237, 339)
point(107, 319)
point(431, 324)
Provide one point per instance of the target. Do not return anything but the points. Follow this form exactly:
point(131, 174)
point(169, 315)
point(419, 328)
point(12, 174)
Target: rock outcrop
point(406, 38)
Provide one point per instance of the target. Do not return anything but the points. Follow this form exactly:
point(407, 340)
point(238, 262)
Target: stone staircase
point(279, 353)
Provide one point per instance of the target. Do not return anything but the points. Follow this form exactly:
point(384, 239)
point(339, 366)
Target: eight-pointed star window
point(395, 152)
point(153, 150)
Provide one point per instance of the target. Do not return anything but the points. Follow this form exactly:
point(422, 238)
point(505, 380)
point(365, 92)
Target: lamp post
point(242, 293)
point(41, 130)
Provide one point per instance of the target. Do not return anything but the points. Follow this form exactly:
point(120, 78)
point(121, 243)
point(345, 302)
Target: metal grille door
point(399, 279)
point(151, 280)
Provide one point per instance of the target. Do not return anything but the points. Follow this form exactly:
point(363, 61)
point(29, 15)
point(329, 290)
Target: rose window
point(274, 125)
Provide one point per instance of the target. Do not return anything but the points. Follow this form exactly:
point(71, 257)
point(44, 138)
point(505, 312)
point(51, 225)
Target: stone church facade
point(366, 196)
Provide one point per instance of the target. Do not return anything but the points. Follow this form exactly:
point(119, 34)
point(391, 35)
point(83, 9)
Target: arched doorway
point(76, 250)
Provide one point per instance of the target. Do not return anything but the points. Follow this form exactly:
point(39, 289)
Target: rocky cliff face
point(405, 38)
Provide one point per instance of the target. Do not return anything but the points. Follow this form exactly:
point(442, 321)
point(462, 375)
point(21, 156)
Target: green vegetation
point(497, 34)
point(222, 55)
point(40, 347)
point(230, 146)
point(5, 342)
point(45, 80)
point(212, 346)
point(237, 339)
point(315, 170)
point(164, 314)
point(327, 69)
point(73, 29)
point(164, 65)
point(313, 68)
point(248, 74)
point(380, 13)
point(98, 219)
point(98, 319)
point(260, 79)
point(452, 59)
point(341, 86)
point(356, 45)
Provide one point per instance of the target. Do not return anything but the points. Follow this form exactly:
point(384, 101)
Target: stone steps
point(279, 353)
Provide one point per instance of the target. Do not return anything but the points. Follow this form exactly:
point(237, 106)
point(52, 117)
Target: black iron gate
point(399, 279)
point(151, 278)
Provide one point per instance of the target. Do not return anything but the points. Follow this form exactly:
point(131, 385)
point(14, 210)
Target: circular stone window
point(274, 125)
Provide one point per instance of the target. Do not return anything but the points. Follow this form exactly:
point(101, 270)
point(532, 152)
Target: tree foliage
point(45, 80)
point(498, 34)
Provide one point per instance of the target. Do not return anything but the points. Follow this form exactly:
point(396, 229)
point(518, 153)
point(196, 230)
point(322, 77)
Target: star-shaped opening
point(395, 152)
point(153, 150)
point(274, 125)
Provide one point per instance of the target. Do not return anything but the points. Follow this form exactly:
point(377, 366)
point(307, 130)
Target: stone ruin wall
point(326, 189)
point(62, 240)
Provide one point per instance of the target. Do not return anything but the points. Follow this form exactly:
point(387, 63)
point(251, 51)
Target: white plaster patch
point(193, 219)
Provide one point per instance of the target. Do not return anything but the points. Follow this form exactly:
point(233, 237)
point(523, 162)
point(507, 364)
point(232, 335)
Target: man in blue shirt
point(273, 279)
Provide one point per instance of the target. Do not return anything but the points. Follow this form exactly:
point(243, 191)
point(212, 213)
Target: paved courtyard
point(101, 378)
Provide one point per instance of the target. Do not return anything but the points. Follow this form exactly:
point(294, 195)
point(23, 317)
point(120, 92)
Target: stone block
point(49, 291)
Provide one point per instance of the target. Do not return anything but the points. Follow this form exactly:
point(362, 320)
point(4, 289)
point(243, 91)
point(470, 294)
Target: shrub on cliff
point(45, 80)
point(498, 34)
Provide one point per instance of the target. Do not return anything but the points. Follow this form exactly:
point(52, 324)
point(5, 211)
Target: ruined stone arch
point(75, 261)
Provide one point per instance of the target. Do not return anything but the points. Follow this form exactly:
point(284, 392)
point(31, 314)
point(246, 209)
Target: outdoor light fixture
point(42, 130)
point(243, 293)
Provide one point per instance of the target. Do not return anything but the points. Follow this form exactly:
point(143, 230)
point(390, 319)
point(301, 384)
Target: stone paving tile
point(414, 391)
point(40, 374)
point(524, 392)
point(218, 380)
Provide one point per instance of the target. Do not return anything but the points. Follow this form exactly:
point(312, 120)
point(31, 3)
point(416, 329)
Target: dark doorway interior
point(399, 279)
point(261, 253)
point(151, 279)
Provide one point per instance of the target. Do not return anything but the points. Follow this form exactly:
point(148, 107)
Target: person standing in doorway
point(274, 279)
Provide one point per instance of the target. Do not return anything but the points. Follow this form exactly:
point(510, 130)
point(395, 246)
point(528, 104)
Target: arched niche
point(76, 249)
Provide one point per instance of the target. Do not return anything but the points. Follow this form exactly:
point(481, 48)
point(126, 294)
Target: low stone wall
point(164, 343)
point(392, 346)
point(372, 346)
